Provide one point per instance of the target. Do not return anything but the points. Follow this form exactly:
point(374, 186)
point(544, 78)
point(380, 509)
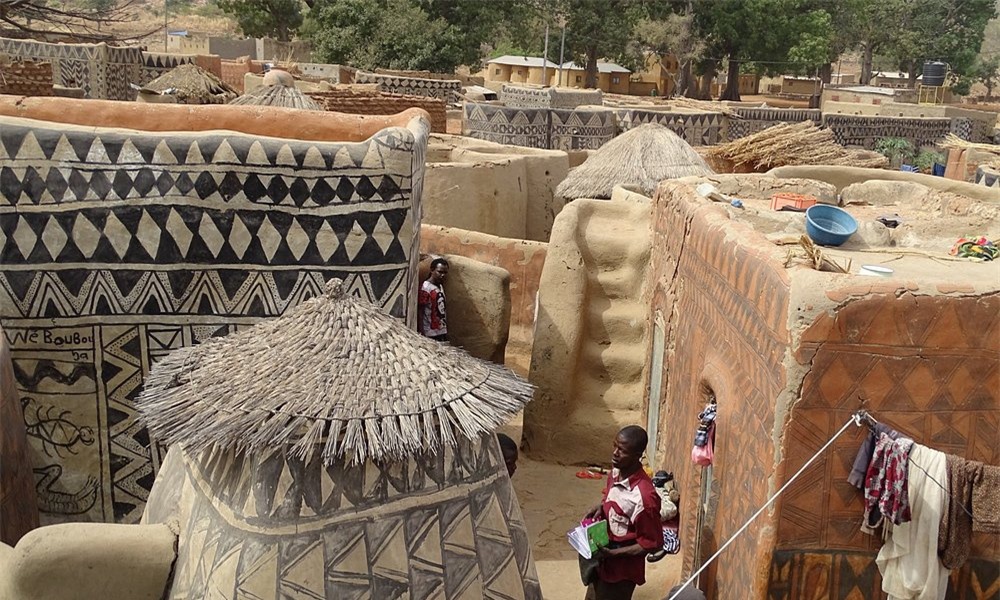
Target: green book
point(586, 539)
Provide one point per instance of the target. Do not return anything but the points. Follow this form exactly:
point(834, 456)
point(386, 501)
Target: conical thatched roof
point(641, 157)
point(278, 95)
point(192, 85)
point(334, 376)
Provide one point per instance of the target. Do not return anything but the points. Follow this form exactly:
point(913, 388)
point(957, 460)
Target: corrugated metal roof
point(522, 61)
point(602, 67)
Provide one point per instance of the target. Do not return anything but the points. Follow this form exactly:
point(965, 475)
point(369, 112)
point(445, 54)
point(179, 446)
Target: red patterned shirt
point(632, 508)
point(430, 301)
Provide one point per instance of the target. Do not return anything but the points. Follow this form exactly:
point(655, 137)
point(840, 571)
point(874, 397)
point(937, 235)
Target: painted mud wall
point(590, 330)
point(923, 360)
point(380, 103)
point(119, 246)
point(721, 305)
point(103, 71)
point(523, 259)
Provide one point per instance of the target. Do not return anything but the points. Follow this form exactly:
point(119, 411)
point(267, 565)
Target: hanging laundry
point(705, 420)
point(955, 533)
point(908, 560)
point(886, 482)
point(864, 456)
point(986, 501)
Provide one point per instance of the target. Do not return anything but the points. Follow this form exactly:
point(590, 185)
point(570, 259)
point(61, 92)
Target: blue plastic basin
point(828, 225)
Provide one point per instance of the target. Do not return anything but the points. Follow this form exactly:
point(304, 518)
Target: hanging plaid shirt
point(885, 482)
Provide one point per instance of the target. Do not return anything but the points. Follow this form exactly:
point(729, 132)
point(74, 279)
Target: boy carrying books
point(631, 507)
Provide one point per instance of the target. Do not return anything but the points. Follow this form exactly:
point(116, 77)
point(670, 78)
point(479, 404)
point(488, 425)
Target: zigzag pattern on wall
point(117, 246)
point(502, 125)
point(754, 120)
point(581, 130)
point(697, 129)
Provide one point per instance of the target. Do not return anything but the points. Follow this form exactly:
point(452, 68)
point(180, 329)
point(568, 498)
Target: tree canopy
point(279, 19)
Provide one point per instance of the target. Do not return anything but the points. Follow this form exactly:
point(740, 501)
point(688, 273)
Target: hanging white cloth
point(908, 560)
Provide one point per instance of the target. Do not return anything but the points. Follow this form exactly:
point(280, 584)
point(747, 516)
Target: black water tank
point(934, 73)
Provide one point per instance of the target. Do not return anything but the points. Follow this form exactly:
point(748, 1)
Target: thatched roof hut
point(190, 84)
point(641, 157)
point(331, 431)
point(278, 90)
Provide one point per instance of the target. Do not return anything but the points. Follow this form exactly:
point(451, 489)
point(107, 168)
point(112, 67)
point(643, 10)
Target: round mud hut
point(640, 158)
point(278, 90)
point(334, 453)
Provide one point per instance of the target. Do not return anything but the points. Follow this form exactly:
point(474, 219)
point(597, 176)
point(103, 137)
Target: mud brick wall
point(447, 90)
point(865, 131)
point(697, 129)
point(361, 103)
point(120, 246)
point(926, 365)
point(103, 71)
point(581, 129)
point(721, 303)
point(26, 78)
point(233, 72)
point(503, 125)
point(155, 64)
point(754, 120)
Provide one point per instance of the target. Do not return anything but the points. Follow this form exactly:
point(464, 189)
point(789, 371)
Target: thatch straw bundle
point(795, 144)
point(278, 95)
point(335, 376)
point(992, 150)
point(192, 85)
point(641, 157)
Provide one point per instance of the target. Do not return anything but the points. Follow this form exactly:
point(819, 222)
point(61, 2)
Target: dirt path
point(553, 499)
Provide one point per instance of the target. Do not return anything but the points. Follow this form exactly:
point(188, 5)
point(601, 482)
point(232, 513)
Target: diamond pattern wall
point(118, 246)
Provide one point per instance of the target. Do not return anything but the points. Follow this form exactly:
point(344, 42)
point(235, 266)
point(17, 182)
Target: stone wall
point(590, 330)
point(719, 317)
point(447, 90)
point(102, 71)
point(26, 78)
point(696, 128)
point(375, 103)
point(522, 259)
point(865, 131)
point(754, 120)
point(120, 246)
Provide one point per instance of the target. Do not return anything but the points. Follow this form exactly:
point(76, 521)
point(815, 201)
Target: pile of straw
point(794, 144)
point(334, 377)
point(192, 85)
point(641, 157)
point(953, 141)
point(277, 95)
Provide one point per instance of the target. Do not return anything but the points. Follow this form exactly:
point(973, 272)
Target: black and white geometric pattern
point(449, 90)
point(155, 64)
point(581, 129)
point(517, 96)
point(265, 526)
point(988, 176)
point(864, 131)
point(755, 120)
point(963, 128)
point(697, 129)
point(104, 72)
point(119, 246)
point(510, 126)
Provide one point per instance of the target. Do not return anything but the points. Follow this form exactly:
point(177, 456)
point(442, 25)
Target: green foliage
point(601, 29)
point(279, 19)
point(897, 150)
point(926, 158)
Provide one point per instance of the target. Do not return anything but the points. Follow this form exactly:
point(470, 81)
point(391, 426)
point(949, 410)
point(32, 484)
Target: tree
point(279, 19)
point(40, 17)
point(674, 34)
point(764, 32)
point(600, 29)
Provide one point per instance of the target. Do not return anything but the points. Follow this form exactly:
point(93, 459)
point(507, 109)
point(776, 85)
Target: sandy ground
point(553, 499)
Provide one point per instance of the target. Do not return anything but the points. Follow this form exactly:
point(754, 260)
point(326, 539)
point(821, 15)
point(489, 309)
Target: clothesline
point(859, 418)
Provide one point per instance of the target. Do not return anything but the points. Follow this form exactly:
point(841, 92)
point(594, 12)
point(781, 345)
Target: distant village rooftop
point(602, 67)
point(522, 61)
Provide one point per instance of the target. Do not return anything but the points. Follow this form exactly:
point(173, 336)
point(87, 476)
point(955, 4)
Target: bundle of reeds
point(192, 85)
point(794, 144)
point(953, 141)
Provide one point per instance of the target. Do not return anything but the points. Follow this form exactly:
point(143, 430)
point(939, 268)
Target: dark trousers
point(602, 590)
point(440, 338)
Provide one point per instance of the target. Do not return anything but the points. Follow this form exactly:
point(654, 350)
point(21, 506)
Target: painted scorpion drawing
point(57, 433)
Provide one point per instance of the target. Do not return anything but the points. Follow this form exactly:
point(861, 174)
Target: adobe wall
point(256, 120)
point(120, 246)
point(755, 120)
point(26, 78)
point(696, 128)
point(491, 188)
point(865, 131)
point(590, 330)
point(721, 301)
point(377, 103)
point(479, 305)
point(448, 90)
point(842, 177)
point(102, 71)
point(522, 259)
point(517, 96)
point(583, 128)
point(155, 64)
